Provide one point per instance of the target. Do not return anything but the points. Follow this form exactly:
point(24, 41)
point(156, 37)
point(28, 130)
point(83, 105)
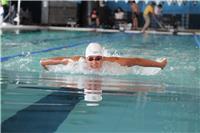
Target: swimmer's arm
point(52, 61)
point(139, 61)
point(150, 63)
point(145, 62)
point(58, 60)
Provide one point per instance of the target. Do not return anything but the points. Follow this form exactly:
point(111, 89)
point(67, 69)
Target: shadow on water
point(59, 94)
point(44, 115)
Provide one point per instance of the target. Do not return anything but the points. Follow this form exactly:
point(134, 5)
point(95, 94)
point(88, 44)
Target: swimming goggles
point(96, 58)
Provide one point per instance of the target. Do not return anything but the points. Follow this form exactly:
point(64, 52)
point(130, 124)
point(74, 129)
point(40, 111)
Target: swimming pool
point(33, 100)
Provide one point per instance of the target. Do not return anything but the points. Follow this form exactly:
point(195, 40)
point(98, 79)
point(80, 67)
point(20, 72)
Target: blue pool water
point(33, 100)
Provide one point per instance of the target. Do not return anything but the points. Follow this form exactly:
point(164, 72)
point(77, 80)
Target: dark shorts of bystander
point(135, 15)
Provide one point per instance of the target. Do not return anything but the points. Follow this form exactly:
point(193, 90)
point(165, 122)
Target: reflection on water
point(108, 68)
point(61, 101)
point(73, 101)
point(95, 86)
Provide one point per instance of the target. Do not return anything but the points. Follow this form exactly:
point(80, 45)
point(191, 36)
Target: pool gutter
point(27, 27)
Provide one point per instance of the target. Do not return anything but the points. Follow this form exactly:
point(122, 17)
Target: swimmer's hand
point(43, 65)
point(64, 61)
point(54, 61)
point(163, 63)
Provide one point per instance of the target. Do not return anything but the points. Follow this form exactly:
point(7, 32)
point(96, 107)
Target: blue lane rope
point(197, 39)
point(2, 59)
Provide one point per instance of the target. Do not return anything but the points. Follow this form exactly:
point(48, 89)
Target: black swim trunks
point(135, 15)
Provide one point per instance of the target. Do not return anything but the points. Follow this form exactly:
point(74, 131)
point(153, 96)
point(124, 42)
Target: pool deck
point(159, 31)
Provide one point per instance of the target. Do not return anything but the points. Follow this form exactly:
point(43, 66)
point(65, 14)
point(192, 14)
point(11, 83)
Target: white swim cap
point(94, 49)
point(93, 97)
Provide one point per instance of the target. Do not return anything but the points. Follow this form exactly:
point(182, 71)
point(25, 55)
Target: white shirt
point(1, 14)
point(119, 15)
point(158, 11)
point(1, 10)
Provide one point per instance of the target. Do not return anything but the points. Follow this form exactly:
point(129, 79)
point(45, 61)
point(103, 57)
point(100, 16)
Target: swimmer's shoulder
point(76, 58)
point(111, 59)
point(73, 58)
point(56, 58)
point(121, 60)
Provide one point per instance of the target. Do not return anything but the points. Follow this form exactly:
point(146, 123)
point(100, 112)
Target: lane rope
point(2, 59)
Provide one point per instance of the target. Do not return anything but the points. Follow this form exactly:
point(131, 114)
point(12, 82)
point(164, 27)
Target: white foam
point(108, 68)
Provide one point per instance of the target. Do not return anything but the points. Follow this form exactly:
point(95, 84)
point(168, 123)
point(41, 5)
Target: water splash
point(108, 68)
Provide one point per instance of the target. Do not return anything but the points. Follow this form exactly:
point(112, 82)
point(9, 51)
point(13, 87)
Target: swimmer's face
point(94, 62)
point(93, 84)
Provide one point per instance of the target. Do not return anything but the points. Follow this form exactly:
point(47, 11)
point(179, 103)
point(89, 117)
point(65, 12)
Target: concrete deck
point(31, 27)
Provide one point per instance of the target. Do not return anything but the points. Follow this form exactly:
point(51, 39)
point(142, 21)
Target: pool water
point(34, 100)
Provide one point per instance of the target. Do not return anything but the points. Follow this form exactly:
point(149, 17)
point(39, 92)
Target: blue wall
point(188, 7)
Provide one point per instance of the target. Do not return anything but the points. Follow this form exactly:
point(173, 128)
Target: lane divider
point(2, 59)
point(197, 39)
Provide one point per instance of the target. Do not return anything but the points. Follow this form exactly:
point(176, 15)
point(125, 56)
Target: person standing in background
point(158, 11)
point(158, 16)
point(5, 3)
point(94, 18)
point(148, 13)
point(1, 13)
point(135, 14)
point(119, 17)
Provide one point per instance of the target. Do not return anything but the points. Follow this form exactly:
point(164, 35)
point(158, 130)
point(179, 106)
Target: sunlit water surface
point(117, 99)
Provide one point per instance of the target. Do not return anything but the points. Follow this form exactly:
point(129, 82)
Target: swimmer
point(94, 59)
